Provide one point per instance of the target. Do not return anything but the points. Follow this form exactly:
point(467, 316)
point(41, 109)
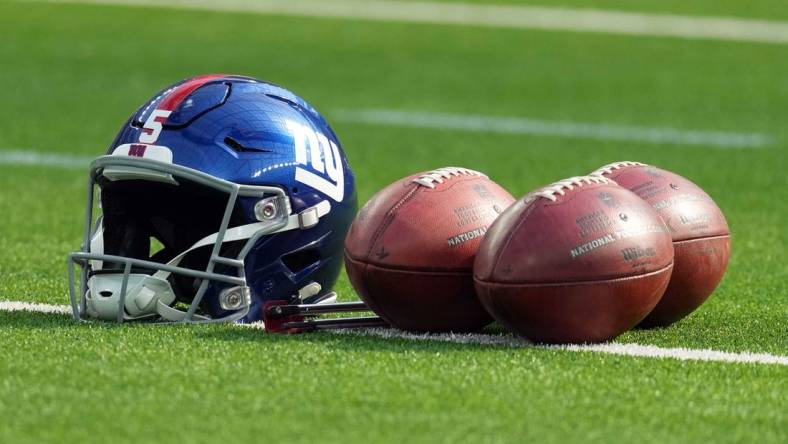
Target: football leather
point(409, 253)
point(700, 233)
point(582, 260)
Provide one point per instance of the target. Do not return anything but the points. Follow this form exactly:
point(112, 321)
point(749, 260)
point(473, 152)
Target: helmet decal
point(153, 126)
point(323, 158)
point(155, 152)
point(167, 102)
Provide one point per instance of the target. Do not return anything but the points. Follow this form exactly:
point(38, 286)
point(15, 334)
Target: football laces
point(430, 178)
point(609, 168)
point(551, 191)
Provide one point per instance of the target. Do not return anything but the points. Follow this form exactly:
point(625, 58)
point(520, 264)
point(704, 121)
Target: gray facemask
point(119, 294)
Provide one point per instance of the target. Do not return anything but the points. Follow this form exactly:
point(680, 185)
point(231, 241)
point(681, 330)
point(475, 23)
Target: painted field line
point(614, 348)
point(497, 16)
point(556, 128)
point(634, 350)
point(51, 160)
point(478, 124)
point(34, 307)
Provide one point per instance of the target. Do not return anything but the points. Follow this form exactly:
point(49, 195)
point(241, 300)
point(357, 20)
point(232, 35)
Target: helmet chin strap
point(303, 220)
point(150, 295)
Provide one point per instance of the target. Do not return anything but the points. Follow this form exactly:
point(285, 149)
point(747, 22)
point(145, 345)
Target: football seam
point(389, 219)
point(371, 303)
point(526, 212)
point(715, 236)
point(586, 282)
point(456, 271)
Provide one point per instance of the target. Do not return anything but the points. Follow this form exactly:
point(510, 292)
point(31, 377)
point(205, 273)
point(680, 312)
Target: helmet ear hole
point(301, 260)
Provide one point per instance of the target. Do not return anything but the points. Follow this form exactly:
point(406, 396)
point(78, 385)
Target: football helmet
point(219, 194)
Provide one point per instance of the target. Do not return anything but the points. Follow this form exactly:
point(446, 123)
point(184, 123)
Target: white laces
point(609, 168)
point(549, 192)
point(438, 176)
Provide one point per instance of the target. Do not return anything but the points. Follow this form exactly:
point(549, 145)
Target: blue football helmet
point(219, 194)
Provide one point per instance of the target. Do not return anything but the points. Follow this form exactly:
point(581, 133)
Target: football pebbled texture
point(409, 252)
point(701, 237)
point(581, 260)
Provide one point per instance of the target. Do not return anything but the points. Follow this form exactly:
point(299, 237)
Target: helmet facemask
point(201, 228)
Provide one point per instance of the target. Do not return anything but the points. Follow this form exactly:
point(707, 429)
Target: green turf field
point(72, 74)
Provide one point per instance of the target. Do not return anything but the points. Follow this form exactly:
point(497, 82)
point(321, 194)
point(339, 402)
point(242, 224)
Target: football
point(581, 260)
point(409, 253)
point(701, 238)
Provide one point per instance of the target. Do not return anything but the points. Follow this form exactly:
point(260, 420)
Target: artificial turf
point(73, 74)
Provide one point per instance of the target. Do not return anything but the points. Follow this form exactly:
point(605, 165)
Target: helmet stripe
point(174, 98)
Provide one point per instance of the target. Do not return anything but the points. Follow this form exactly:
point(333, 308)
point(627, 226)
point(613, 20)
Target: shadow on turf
point(233, 333)
point(350, 342)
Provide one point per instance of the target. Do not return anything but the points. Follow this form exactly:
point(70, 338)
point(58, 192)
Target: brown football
point(701, 238)
point(581, 260)
point(409, 252)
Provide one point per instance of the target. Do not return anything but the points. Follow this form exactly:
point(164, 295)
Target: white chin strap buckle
point(308, 218)
point(144, 293)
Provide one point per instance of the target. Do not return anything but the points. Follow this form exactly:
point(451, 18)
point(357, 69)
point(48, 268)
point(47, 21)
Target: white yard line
point(496, 16)
point(34, 307)
point(51, 160)
point(472, 123)
point(683, 354)
point(557, 128)
point(634, 350)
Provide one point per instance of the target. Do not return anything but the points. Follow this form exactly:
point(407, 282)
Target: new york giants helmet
point(220, 193)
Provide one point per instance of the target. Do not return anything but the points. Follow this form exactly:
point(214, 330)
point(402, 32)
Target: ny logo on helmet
point(315, 151)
